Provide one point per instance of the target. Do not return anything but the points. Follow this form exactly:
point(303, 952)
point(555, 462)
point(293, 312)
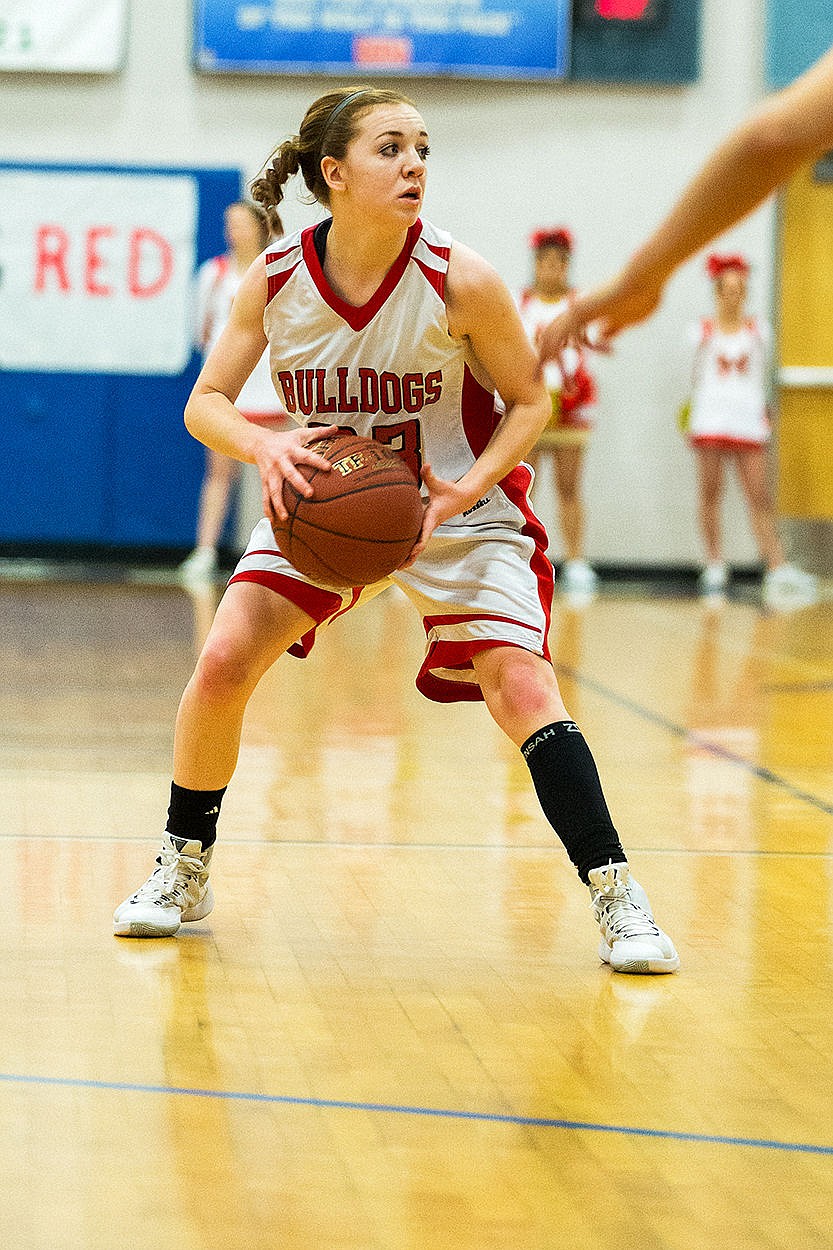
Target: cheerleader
point(729, 425)
point(572, 394)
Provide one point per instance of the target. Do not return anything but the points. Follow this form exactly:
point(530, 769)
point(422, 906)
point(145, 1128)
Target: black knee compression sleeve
point(567, 783)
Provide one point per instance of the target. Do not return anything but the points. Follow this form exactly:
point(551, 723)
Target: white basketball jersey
point(390, 369)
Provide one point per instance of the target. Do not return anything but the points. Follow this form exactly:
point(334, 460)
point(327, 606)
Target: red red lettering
point(433, 386)
point(142, 240)
point(51, 247)
point(346, 403)
point(95, 261)
point(413, 393)
point(369, 388)
point(305, 390)
point(323, 404)
point(288, 388)
point(390, 389)
point(405, 438)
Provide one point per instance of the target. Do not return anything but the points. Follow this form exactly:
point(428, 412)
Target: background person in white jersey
point(729, 423)
point(376, 321)
point(572, 390)
point(248, 228)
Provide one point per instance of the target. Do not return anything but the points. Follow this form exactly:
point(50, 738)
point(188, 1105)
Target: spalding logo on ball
point(362, 519)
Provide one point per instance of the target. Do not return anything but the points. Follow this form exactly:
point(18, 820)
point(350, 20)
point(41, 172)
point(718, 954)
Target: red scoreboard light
point(620, 12)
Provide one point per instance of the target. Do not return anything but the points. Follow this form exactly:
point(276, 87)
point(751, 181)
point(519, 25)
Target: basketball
point(362, 519)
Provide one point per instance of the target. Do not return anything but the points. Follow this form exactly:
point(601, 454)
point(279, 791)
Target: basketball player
point(378, 321)
point(790, 128)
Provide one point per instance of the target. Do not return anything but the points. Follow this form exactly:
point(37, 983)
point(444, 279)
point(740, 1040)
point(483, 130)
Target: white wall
point(505, 158)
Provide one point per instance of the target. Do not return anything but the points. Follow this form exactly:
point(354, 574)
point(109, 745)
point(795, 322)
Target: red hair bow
point(716, 265)
point(555, 236)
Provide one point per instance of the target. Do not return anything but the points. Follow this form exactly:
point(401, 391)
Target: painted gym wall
point(506, 157)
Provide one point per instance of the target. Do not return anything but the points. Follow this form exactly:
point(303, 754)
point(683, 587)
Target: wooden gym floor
point(394, 1033)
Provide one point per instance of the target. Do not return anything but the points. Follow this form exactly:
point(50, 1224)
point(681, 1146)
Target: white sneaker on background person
point(577, 577)
point(200, 566)
point(714, 578)
point(787, 581)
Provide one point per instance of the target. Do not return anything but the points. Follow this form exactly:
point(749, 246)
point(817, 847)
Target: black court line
point(447, 1113)
point(699, 740)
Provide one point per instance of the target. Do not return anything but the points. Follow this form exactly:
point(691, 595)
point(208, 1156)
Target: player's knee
point(526, 685)
point(222, 670)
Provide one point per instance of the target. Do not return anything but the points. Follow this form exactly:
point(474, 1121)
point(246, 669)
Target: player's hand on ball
point(279, 460)
point(445, 500)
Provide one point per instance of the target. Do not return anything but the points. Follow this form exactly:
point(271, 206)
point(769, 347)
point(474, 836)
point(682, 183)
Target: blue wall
point(103, 459)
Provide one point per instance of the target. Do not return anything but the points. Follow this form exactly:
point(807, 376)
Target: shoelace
point(172, 880)
point(621, 916)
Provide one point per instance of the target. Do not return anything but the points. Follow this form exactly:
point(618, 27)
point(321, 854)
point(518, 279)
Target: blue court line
point(699, 740)
point(335, 1104)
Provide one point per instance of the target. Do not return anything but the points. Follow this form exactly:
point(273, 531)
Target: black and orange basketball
point(362, 519)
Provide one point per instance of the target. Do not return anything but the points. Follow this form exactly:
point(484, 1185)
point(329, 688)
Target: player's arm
point(789, 128)
point(481, 310)
point(211, 416)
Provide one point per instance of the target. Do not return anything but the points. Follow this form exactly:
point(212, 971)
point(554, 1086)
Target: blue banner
point(359, 38)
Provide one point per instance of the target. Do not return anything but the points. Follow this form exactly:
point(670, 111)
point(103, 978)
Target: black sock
point(193, 814)
point(569, 790)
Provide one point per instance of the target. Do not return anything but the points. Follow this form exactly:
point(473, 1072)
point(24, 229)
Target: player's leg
point(568, 460)
point(252, 627)
point(568, 464)
point(710, 464)
point(221, 473)
point(752, 472)
point(521, 692)
point(780, 577)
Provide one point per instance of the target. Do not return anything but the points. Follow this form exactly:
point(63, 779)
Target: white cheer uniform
point(392, 371)
point(572, 388)
point(728, 396)
point(217, 284)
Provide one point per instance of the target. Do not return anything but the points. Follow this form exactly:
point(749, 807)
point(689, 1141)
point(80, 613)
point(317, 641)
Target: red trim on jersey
point(453, 655)
point(477, 411)
point(515, 486)
point(436, 277)
point(456, 618)
point(316, 602)
point(275, 282)
point(322, 605)
point(358, 317)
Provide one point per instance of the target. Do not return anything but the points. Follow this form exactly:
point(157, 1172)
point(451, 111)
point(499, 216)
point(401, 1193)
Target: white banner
point(96, 271)
point(66, 36)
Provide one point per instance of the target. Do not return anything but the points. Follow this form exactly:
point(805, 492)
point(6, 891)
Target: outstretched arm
point(789, 128)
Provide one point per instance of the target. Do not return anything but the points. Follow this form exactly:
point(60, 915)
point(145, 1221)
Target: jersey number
point(405, 437)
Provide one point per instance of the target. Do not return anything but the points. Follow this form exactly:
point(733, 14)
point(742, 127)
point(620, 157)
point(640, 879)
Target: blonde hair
point(328, 127)
point(268, 219)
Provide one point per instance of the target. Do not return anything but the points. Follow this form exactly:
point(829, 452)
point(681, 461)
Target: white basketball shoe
point(630, 940)
point(177, 890)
